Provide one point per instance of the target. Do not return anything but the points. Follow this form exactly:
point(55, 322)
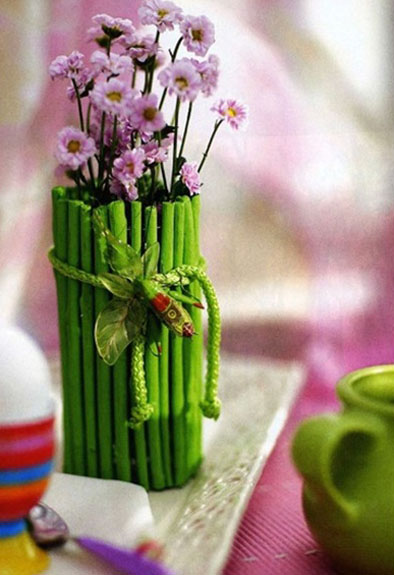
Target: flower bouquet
point(126, 253)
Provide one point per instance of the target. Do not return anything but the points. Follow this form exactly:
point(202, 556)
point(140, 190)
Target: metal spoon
point(49, 530)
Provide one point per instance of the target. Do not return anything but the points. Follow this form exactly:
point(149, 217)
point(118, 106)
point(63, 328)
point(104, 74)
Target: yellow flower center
point(150, 114)
point(181, 82)
point(73, 146)
point(114, 96)
point(197, 35)
point(231, 112)
point(162, 13)
point(130, 167)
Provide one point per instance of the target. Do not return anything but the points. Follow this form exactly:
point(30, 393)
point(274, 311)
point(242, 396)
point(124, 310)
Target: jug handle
point(315, 444)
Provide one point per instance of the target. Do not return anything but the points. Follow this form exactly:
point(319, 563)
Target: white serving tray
point(198, 522)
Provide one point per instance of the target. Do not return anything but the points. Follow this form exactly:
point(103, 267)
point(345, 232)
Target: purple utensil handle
point(129, 562)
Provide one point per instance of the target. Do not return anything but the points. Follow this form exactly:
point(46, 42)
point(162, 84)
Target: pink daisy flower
point(141, 47)
point(59, 67)
point(161, 13)
point(198, 34)
point(155, 154)
point(130, 166)
point(145, 115)
point(190, 177)
point(67, 66)
point(114, 65)
point(74, 148)
point(209, 74)
point(233, 112)
point(182, 79)
point(113, 97)
point(128, 191)
point(114, 27)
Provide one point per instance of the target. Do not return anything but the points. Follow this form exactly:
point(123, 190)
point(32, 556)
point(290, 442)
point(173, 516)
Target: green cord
point(211, 405)
point(73, 272)
point(142, 410)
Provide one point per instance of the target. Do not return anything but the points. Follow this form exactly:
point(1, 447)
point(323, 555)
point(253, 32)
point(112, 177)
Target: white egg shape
point(25, 379)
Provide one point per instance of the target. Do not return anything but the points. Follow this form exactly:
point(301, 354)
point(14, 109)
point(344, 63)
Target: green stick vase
point(97, 399)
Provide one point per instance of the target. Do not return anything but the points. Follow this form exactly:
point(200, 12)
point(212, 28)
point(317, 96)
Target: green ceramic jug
point(347, 463)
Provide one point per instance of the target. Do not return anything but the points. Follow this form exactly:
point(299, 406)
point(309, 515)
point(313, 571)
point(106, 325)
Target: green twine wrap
point(142, 410)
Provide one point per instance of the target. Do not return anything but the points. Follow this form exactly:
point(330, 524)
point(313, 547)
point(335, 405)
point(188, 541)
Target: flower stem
point(113, 148)
point(101, 159)
point(163, 172)
point(175, 53)
point(189, 114)
point(152, 68)
point(173, 57)
point(153, 184)
point(88, 117)
point(174, 160)
point(163, 98)
point(211, 139)
point(146, 85)
point(80, 112)
point(90, 165)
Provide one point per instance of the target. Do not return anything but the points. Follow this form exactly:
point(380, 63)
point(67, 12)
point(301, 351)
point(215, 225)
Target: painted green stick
point(152, 374)
point(59, 225)
point(121, 407)
point(166, 263)
point(190, 349)
point(103, 371)
point(176, 366)
point(198, 343)
point(74, 351)
point(138, 434)
point(88, 345)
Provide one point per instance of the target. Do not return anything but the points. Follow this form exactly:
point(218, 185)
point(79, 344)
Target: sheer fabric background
point(297, 222)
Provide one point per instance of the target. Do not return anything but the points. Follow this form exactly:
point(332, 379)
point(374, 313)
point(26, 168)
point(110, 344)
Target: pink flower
point(59, 67)
point(141, 47)
point(113, 97)
point(128, 191)
point(114, 27)
point(67, 66)
point(145, 115)
point(155, 153)
point(130, 166)
point(114, 65)
point(209, 74)
point(161, 13)
point(198, 34)
point(182, 79)
point(190, 177)
point(232, 111)
point(74, 148)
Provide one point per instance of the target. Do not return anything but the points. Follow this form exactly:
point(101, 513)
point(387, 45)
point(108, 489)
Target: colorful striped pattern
point(26, 461)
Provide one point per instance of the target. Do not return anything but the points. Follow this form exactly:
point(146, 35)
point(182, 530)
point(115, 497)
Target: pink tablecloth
point(273, 538)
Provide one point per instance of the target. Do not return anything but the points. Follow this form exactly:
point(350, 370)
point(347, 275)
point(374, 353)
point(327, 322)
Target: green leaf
point(122, 258)
point(180, 189)
point(150, 260)
point(179, 163)
point(117, 285)
point(116, 326)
